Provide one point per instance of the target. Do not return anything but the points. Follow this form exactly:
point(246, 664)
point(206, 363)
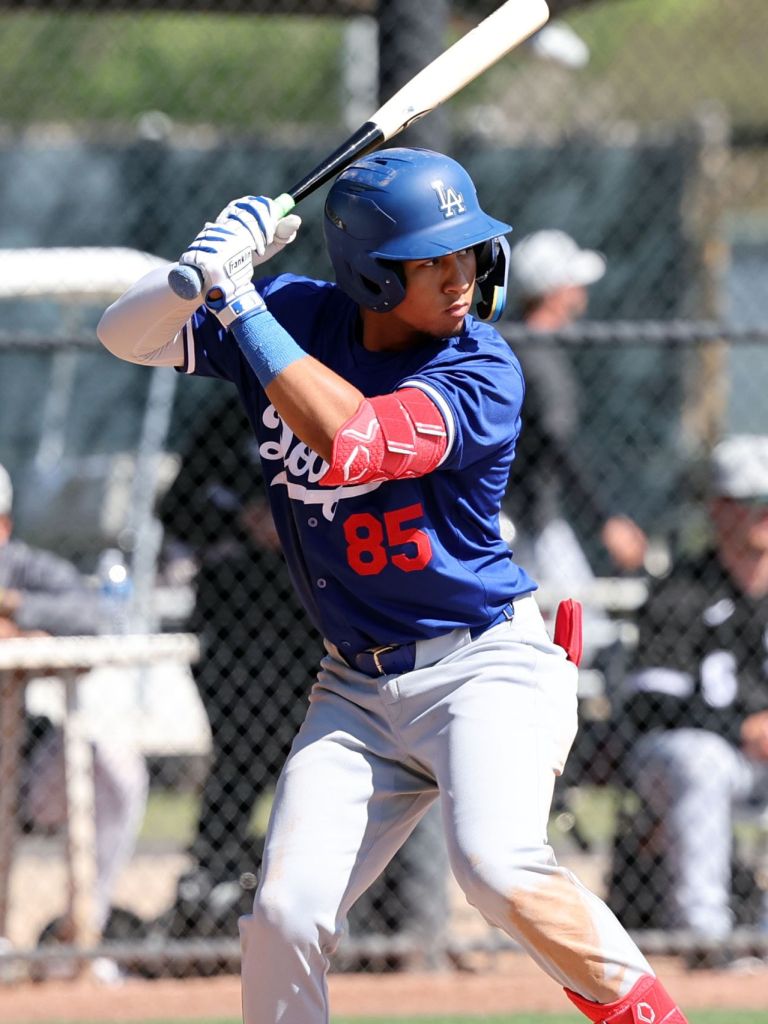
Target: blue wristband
point(266, 345)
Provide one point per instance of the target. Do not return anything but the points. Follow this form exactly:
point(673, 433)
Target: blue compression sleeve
point(266, 345)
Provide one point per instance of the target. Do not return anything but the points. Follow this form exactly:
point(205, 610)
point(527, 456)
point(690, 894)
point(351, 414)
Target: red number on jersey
point(365, 547)
point(399, 533)
point(366, 551)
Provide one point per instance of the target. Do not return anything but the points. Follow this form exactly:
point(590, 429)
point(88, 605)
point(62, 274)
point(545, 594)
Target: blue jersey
point(386, 562)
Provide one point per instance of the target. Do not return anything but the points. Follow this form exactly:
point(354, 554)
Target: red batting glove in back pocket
point(568, 629)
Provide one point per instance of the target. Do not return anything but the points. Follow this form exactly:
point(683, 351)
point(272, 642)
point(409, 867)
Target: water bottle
point(116, 590)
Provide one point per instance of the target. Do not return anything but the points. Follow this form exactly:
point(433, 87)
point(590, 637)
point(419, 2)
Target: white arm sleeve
point(145, 325)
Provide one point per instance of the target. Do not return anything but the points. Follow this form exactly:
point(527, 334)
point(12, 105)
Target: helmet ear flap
point(492, 274)
point(396, 266)
point(485, 257)
point(383, 282)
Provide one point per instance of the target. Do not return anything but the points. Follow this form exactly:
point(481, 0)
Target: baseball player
point(387, 417)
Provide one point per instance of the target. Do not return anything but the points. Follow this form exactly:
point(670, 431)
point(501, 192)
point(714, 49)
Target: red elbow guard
point(390, 437)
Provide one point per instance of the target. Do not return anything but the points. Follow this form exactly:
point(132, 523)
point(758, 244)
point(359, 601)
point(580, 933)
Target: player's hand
point(754, 736)
point(625, 542)
point(248, 231)
point(222, 253)
point(261, 218)
point(8, 629)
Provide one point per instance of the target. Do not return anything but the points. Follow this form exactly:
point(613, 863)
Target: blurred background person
point(562, 516)
point(258, 656)
point(43, 594)
point(697, 697)
point(552, 486)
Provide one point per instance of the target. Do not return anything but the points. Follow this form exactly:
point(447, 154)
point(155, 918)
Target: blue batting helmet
point(407, 204)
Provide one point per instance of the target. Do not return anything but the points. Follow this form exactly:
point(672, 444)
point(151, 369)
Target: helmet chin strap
point(493, 283)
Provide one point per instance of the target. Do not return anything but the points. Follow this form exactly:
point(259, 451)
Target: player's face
point(438, 293)
point(568, 303)
point(742, 538)
point(743, 524)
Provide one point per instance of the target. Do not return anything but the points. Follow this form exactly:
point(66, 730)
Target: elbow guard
point(390, 437)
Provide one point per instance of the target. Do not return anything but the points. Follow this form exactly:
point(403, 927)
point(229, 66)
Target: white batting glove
point(247, 232)
point(261, 218)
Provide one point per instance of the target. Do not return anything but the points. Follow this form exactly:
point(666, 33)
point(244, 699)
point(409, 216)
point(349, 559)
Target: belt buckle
point(376, 651)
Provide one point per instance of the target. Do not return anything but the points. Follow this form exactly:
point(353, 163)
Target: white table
point(68, 659)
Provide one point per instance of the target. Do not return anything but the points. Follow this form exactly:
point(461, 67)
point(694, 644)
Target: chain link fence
point(640, 127)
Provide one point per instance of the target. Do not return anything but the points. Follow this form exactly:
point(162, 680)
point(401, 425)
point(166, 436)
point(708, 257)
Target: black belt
point(395, 659)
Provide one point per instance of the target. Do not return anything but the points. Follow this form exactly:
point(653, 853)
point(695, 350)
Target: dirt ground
point(507, 984)
point(498, 982)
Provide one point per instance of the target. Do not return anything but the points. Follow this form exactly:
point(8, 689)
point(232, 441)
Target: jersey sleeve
point(480, 398)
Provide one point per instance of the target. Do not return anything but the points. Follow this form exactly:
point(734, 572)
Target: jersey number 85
point(373, 544)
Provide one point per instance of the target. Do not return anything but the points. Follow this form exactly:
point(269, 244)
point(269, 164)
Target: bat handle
point(188, 282)
point(285, 203)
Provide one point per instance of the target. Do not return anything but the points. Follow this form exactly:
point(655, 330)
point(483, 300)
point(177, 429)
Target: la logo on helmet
point(451, 201)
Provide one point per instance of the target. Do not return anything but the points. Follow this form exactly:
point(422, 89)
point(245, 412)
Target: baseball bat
point(508, 26)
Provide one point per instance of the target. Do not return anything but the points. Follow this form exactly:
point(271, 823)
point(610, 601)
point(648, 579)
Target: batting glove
point(247, 232)
point(262, 218)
